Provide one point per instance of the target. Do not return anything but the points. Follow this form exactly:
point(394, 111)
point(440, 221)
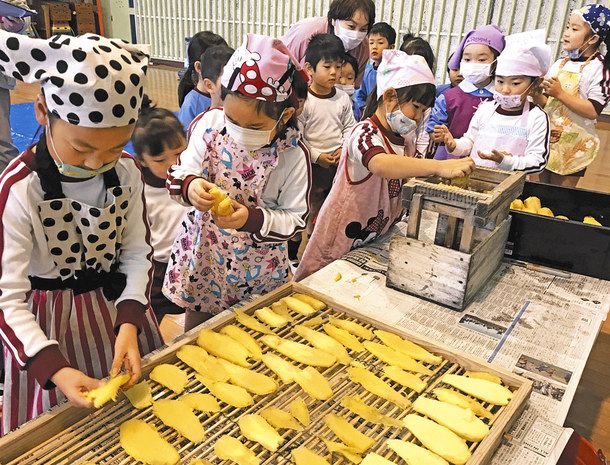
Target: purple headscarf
point(489, 35)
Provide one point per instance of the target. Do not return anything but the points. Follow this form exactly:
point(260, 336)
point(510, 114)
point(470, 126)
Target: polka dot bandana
point(398, 69)
point(88, 81)
point(598, 17)
point(262, 68)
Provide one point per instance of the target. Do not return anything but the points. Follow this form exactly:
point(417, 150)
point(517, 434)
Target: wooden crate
point(70, 435)
point(443, 275)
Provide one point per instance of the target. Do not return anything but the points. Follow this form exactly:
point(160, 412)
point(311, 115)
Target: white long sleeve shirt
point(326, 121)
point(505, 123)
point(283, 207)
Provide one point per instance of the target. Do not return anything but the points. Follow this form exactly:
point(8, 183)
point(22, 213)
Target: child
point(475, 58)
point(158, 139)
point(578, 89)
point(347, 75)
point(198, 44)
point(381, 37)
point(327, 118)
point(365, 200)
point(206, 93)
point(511, 133)
point(250, 149)
point(454, 79)
point(75, 271)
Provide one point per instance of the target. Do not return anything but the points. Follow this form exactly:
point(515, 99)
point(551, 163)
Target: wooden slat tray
point(68, 435)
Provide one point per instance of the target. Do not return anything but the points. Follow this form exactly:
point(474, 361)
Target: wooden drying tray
point(70, 435)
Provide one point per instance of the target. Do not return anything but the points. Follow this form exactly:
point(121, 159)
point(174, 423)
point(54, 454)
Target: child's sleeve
point(136, 255)
point(537, 151)
point(347, 117)
point(362, 93)
point(285, 200)
point(187, 112)
point(598, 89)
point(439, 113)
point(21, 333)
point(191, 162)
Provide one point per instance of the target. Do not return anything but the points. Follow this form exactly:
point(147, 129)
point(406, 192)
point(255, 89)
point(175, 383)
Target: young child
point(475, 58)
point(347, 75)
point(510, 133)
point(381, 37)
point(327, 118)
point(365, 200)
point(206, 93)
point(75, 253)
point(455, 78)
point(158, 139)
point(198, 44)
point(251, 150)
point(578, 89)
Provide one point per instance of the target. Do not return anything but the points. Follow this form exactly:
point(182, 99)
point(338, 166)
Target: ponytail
point(187, 83)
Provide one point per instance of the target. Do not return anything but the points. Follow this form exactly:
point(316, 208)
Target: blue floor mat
point(24, 126)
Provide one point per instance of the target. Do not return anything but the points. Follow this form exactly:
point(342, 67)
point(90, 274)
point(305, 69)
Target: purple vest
point(460, 110)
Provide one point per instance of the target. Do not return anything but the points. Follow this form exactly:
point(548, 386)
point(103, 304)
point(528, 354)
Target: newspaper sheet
point(508, 324)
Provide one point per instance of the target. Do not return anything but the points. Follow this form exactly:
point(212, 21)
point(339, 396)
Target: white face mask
point(475, 73)
point(347, 88)
point(400, 123)
point(351, 39)
point(250, 139)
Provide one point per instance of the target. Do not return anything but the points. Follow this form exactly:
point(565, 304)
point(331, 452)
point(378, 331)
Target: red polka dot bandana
point(262, 68)
point(89, 81)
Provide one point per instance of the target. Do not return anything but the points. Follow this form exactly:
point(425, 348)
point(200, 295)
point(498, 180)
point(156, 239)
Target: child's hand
point(198, 194)
point(73, 383)
point(234, 221)
point(127, 354)
point(337, 155)
point(552, 87)
point(494, 155)
point(455, 168)
point(441, 133)
point(326, 160)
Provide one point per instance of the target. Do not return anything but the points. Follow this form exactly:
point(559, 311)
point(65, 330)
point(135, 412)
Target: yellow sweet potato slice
point(281, 308)
point(459, 399)
point(356, 405)
point(222, 203)
point(299, 306)
point(255, 428)
point(108, 391)
point(201, 402)
point(377, 386)
point(283, 368)
point(300, 352)
point(280, 419)
point(140, 395)
point(315, 303)
point(462, 422)
point(484, 375)
point(304, 456)
point(348, 434)
point(348, 340)
point(235, 396)
point(199, 360)
point(245, 339)
point(352, 327)
point(407, 347)
point(176, 414)
point(228, 448)
point(224, 347)
point(391, 356)
point(142, 442)
point(252, 323)
point(314, 383)
point(324, 342)
point(252, 381)
point(439, 439)
point(375, 459)
point(225, 207)
point(315, 321)
point(350, 453)
point(170, 376)
point(268, 316)
point(200, 462)
point(414, 454)
point(482, 389)
point(299, 410)
point(404, 378)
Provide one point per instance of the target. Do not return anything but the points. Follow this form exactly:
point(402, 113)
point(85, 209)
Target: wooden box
point(69, 435)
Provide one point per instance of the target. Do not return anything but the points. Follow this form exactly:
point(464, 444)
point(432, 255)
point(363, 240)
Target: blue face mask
point(576, 53)
point(77, 172)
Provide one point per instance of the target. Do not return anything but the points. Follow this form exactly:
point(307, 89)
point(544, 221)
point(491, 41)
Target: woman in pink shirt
point(350, 20)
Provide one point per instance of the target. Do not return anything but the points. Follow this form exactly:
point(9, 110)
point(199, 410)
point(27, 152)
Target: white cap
point(399, 69)
point(526, 54)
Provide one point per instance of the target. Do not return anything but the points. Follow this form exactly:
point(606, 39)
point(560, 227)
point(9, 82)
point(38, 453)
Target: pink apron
point(354, 213)
point(85, 245)
point(501, 137)
point(210, 269)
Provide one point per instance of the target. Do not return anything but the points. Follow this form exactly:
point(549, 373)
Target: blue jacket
point(195, 103)
point(369, 83)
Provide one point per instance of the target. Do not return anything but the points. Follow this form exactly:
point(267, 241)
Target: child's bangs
point(420, 93)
